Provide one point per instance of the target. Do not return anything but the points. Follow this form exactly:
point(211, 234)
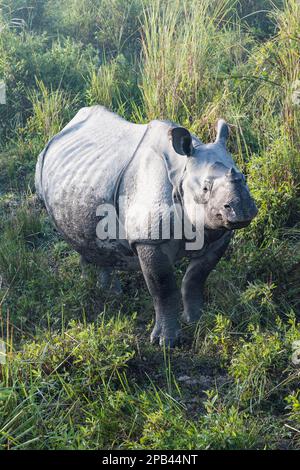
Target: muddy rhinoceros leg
point(106, 277)
point(160, 280)
point(108, 280)
point(196, 274)
point(86, 267)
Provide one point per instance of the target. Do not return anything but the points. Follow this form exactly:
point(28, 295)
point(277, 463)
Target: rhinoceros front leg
point(194, 280)
point(159, 276)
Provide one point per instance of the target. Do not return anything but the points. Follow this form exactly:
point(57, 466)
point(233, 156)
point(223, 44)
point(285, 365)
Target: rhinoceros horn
point(222, 132)
point(233, 175)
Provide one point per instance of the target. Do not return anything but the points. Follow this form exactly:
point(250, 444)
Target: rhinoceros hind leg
point(108, 281)
point(106, 278)
point(86, 267)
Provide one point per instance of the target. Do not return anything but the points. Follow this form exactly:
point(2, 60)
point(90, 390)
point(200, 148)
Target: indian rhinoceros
point(100, 159)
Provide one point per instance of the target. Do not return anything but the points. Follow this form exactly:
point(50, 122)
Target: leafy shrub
point(27, 57)
point(111, 26)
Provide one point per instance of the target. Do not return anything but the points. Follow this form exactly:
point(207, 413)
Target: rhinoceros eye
point(206, 186)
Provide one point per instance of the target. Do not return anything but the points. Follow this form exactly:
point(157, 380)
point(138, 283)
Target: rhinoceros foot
point(169, 338)
point(191, 318)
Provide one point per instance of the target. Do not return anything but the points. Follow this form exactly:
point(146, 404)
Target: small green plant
point(218, 340)
point(293, 405)
point(228, 427)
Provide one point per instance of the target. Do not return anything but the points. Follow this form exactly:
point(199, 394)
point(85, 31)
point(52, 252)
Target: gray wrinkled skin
point(99, 158)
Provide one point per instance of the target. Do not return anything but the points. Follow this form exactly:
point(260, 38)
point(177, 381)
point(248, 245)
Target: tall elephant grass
point(114, 85)
point(274, 96)
point(51, 109)
point(189, 48)
point(199, 62)
point(274, 115)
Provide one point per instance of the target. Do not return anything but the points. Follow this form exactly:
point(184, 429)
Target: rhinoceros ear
point(182, 141)
point(222, 131)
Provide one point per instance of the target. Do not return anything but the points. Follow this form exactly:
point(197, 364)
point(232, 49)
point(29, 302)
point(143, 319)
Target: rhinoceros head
point(212, 180)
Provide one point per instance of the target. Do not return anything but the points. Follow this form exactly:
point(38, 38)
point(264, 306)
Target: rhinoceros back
point(80, 167)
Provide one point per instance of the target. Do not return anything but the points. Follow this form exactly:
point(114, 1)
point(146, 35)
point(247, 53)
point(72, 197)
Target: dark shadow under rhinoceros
point(120, 192)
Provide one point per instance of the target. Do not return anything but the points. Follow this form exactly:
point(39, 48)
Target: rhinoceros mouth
point(237, 225)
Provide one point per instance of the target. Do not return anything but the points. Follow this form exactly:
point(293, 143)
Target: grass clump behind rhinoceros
point(96, 382)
